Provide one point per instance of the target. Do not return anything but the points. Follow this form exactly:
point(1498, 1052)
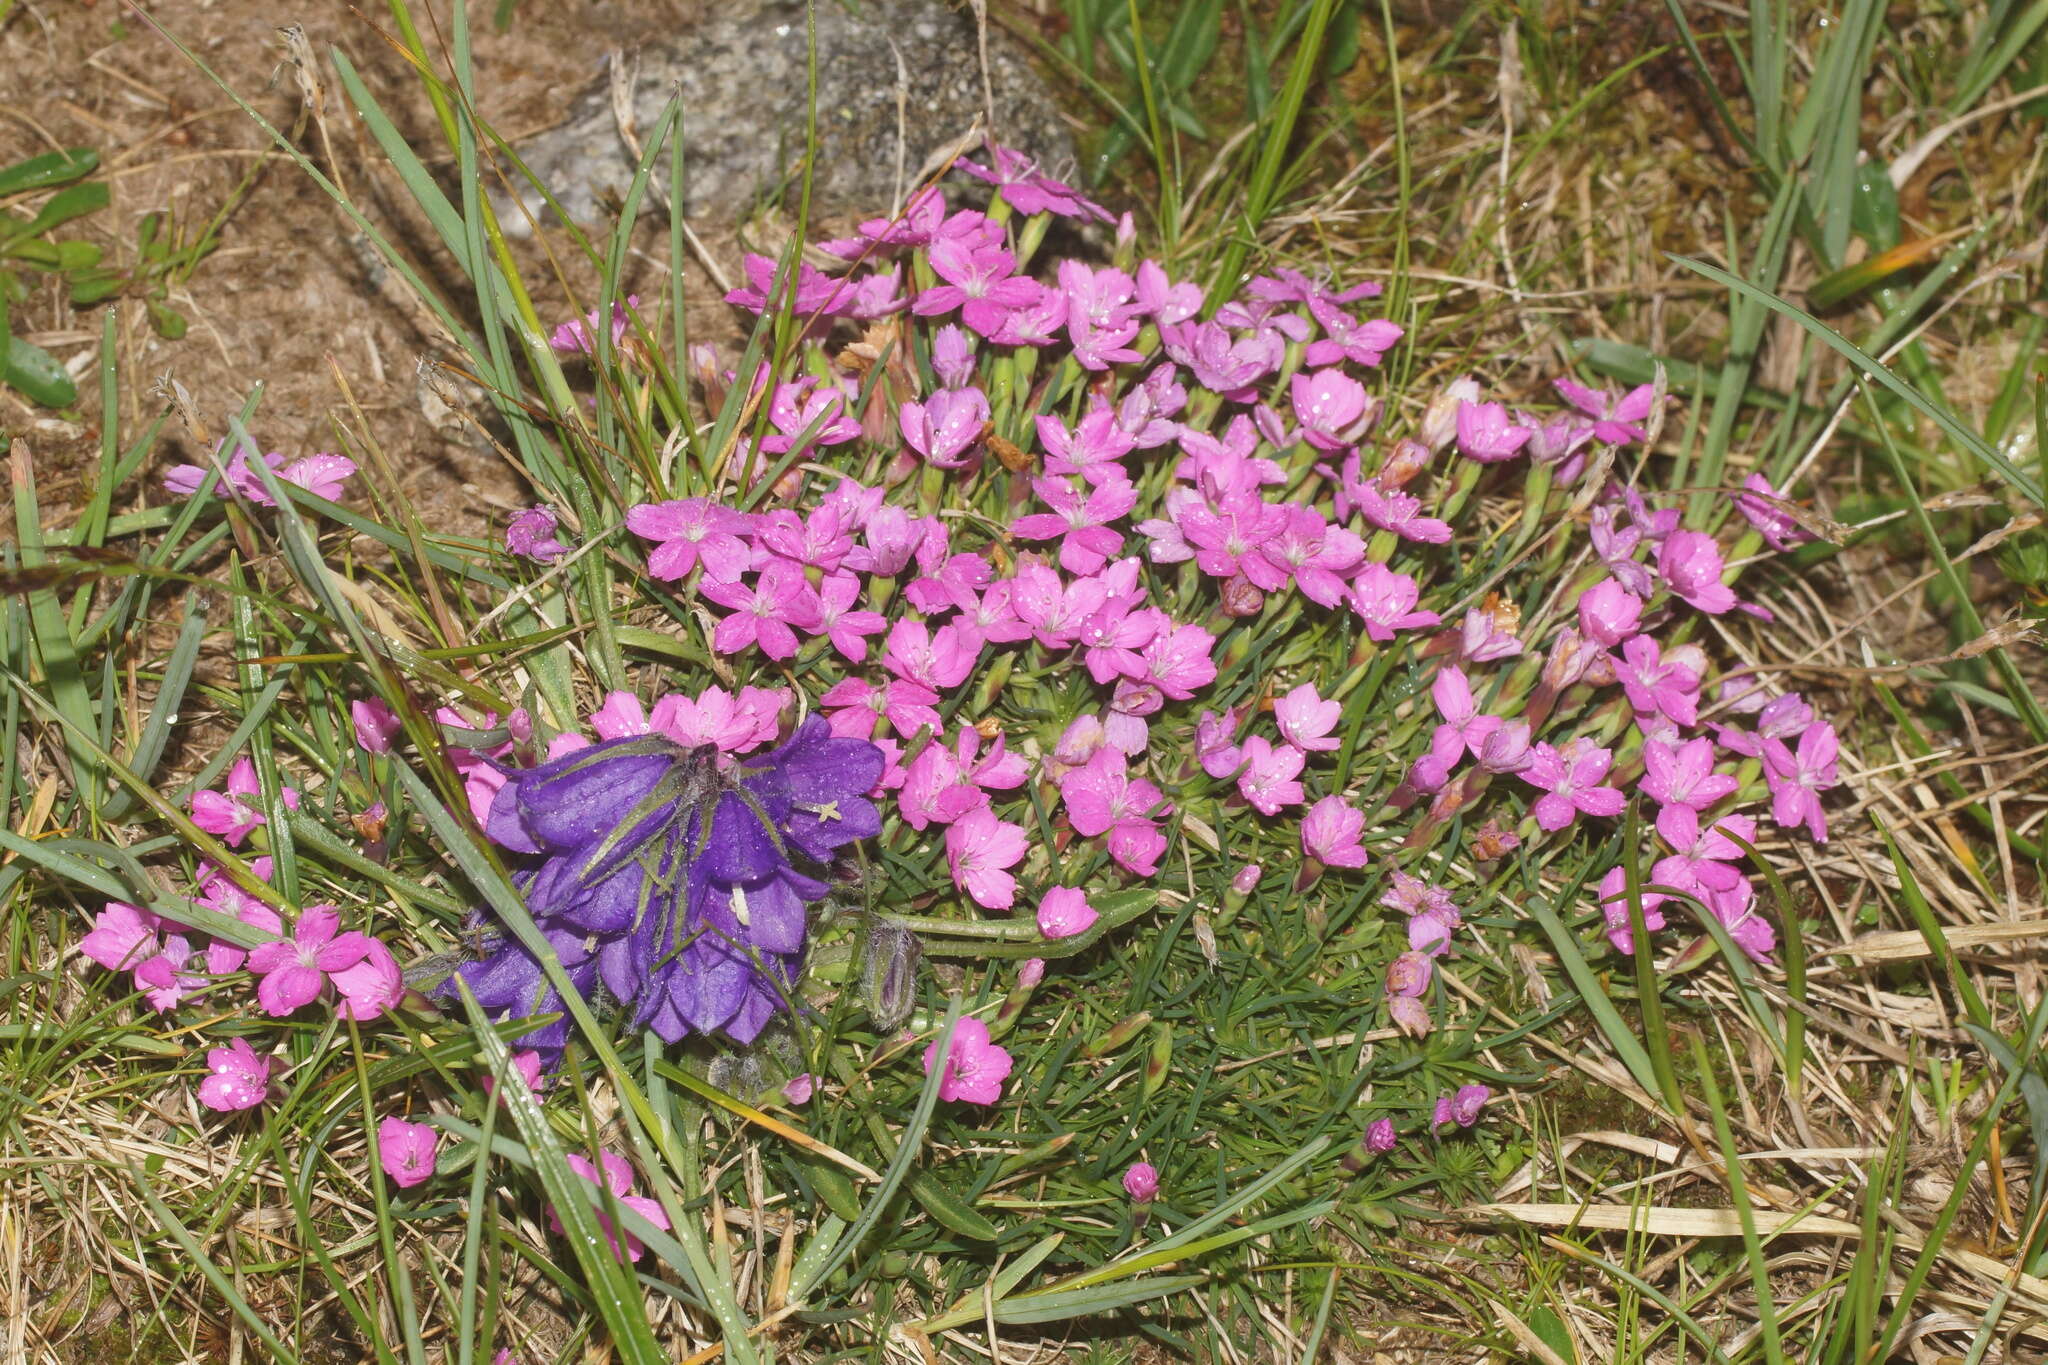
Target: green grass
point(1237, 1046)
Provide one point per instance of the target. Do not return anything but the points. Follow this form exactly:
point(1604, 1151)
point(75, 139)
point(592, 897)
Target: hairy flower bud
point(1406, 460)
point(889, 974)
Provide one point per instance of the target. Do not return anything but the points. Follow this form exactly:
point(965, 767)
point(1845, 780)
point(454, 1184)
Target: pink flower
point(731, 722)
point(1464, 726)
point(1079, 521)
point(974, 1068)
point(1385, 601)
point(1220, 363)
point(1690, 562)
point(217, 892)
point(764, 614)
point(371, 986)
point(1462, 1108)
point(940, 659)
point(797, 1091)
point(527, 1063)
point(1064, 911)
point(1571, 777)
point(1777, 526)
point(574, 336)
point(1488, 634)
point(1305, 719)
point(1737, 911)
point(840, 623)
point(294, 969)
point(1141, 1182)
point(979, 851)
point(1683, 774)
point(690, 532)
point(123, 937)
point(1091, 450)
point(1216, 744)
point(854, 705)
point(1271, 778)
point(229, 815)
point(980, 281)
point(1330, 833)
point(1346, 338)
point(376, 725)
point(240, 1078)
point(1017, 178)
point(1487, 435)
point(1506, 750)
point(1616, 421)
point(1614, 908)
point(618, 1177)
point(1609, 613)
point(406, 1151)
point(531, 535)
point(1390, 509)
point(1333, 408)
point(1379, 1136)
point(1102, 794)
point(1797, 777)
point(1179, 661)
point(945, 427)
point(1701, 858)
point(321, 475)
point(1654, 683)
point(1166, 302)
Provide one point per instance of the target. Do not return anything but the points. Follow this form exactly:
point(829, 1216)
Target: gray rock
point(743, 78)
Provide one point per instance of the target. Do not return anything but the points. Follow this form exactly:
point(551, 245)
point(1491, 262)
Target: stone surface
point(743, 77)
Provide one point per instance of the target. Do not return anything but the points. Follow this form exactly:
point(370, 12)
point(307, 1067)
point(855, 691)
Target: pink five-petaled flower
point(974, 1069)
point(1272, 776)
point(1385, 601)
point(406, 1151)
point(1091, 450)
point(240, 1078)
point(1165, 301)
point(1655, 684)
point(1348, 339)
point(839, 622)
point(1305, 719)
point(123, 937)
point(1798, 776)
point(692, 531)
point(1330, 833)
point(1570, 780)
point(1487, 434)
point(1617, 421)
point(371, 986)
point(1464, 726)
point(980, 280)
point(1683, 774)
point(763, 614)
point(1691, 563)
point(945, 427)
point(1064, 911)
point(321, 475)
point(980, 850)
point(294, 969)
point(531, 535)
point(1332, 407)
point(1080, 520)
point(618, 1177)
point(228, 814)
point(1029, 191)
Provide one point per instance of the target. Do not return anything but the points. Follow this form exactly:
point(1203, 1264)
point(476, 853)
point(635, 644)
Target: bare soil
point(286, 301)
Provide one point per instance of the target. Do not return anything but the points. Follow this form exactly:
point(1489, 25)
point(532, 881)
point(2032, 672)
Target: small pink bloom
point(123, 937)
point(1798, 776)
point(799, 1089)
point(974, 1068)
point(1691, 563)
point(231, 815)
point(1064, 911)
point(765, 614)
point(1570, 778)
point(376, 725)
point(1465, 726)
point(980, 850)
point(1305, 719)
point(294, 969)
point(1656, 683)
point(1141, 1182)
point(1616, 421)
point(1777, 526)
point(372, 986)
point(1330, 833)
point(531, 535)
point(406, 1151)
point(1385, 601)
point(1379, 1136)
point(1609, 613)
point(1486, 434)
point(1683, 774)
point(618, 1177)
point(690, 532)
point(1272, 776)
point(240, 1079)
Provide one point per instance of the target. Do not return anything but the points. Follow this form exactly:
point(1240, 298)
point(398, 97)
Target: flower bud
point(1570, 656)
point(1506, 750)
point(1439, 426)
point(1157, 1062)
point(1242, 598)
point(1141, 1182)
point(1119, 1034)
point(1031, 973)
point(1406, 460)
point(1493, 843)
point(1379, 1136)
point(1609, 613)
point(1408, 975)
point(889, 974)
